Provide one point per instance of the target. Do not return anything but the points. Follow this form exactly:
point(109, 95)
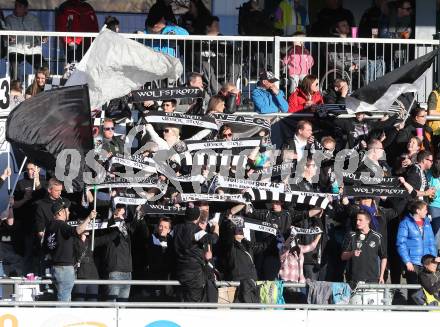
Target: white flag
point(114, 66)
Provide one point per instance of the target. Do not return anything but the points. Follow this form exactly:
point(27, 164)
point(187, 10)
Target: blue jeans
point(118, 292)
point(64, 280)
point(435, 215)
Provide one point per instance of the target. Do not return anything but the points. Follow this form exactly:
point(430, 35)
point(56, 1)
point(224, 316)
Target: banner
point(243, 126)
point(213, 144)
point(254, 224)
point(132, 182)
point(276, 170)
point(310, 198)
point(147, 164)
point(374, 190)
point(167, 94)
point(99, 224)
point(174, 118)
point(305, 231)
point(364, 179)
point(194, 197)
point(240, 184)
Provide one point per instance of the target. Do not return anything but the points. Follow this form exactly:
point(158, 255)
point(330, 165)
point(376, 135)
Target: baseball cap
point(268, 75)
point(60, 205)
point(427, 259)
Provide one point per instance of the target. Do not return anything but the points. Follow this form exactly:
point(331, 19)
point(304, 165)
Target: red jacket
point(298, 99)
point(76, 16)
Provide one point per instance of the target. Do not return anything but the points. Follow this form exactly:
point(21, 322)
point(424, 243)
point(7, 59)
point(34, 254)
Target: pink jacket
point(298, 61)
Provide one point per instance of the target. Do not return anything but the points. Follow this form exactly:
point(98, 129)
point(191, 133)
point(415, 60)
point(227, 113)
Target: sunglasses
point(227, 135)
point(109, 128)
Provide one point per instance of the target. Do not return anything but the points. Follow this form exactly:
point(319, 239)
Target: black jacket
point(160, 257)
point(410, 131)
point(118, 255)
point(190, 243)
point(43, 213)
point(240, 256)
point(431, 282)
point(83, 255)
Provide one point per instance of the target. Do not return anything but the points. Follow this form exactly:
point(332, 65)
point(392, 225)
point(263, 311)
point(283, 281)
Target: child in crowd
point(298, 61)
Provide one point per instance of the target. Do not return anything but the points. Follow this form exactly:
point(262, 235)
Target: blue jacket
point(412, 244)
point(164, 46)
point(267, 103)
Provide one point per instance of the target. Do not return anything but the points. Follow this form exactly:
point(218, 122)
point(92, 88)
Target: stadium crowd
point(360, 238)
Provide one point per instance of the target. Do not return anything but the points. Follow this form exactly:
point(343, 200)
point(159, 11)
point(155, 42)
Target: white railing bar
point(229, 38)
point(359, 40)
point(176, 283)
point(140, 36)
point(192, 305)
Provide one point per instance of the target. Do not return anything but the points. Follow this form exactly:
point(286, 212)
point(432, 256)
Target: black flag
point(44, 125)
point(380, 88)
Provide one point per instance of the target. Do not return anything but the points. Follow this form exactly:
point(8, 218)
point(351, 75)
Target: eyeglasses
point(109, 128)
point(227, 135)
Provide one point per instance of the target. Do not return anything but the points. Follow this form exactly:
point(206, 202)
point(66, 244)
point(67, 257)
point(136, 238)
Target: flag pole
point(9, 167)
point(93, 222)
point(16, 180)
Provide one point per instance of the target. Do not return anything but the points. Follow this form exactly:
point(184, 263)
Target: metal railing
point(234, 59)
point(387, 288)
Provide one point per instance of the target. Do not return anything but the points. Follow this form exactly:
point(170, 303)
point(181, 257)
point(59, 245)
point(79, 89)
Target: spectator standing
point(434, 205)
point(362, 249)
point(118, 255)
point(28, 191)
point(292, 258)
point(416, 127)
point(306, 95)
point(409, 158)
point(43, 211)
point(112, 23)
point(84, 264)
point(16, 94)
point(58, 242)
point(169, 105)
point(111, 143)
point(430, 275)
point(298, 61)
point(156, 24)
point(416, 178)
point(195, 20)
point(192, 244)
point(38, 83)
point(267, 97)
point(332, 13)
point(23, 48)
point(160, 256)
point(252, 21)
point(397, 20)
point(370, 19)
point(165, 9)
point(414, 240)
point(76, 16)
point(11, 260)
point(291, 17)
